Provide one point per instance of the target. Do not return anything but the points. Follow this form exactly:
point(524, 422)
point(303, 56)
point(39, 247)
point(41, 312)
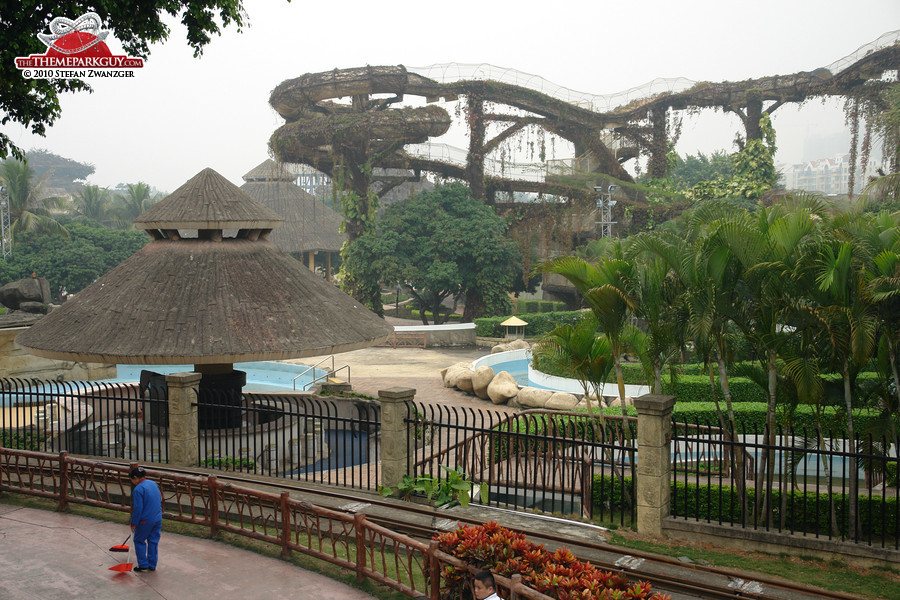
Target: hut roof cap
point(208, 201)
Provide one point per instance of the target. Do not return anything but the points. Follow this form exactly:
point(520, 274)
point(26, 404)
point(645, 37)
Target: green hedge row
point(538, 323)
point(522, 306)
point(751, 417)
point(807, 512)
point(417, 314)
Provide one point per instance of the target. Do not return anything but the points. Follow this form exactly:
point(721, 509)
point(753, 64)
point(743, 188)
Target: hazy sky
point(180, 114)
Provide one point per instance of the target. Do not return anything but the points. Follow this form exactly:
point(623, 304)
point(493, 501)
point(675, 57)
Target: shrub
point(538, 323)
point(557, 574)
point(523, 306)
point(229, 464)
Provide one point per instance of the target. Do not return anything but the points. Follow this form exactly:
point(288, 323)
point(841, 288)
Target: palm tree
point(27, 210)
point(588, 356)
point(92, 202)
point(135, 201)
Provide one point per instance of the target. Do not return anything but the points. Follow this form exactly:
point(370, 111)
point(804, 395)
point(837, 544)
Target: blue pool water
point(263, 376)
point(517, 368)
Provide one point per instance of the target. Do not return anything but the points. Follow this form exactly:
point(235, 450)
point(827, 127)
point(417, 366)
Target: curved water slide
point(316, 125)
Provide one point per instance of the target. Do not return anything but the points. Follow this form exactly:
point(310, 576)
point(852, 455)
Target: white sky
point(180, 114)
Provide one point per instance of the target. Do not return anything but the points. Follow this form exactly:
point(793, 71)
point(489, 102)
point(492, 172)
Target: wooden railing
point(347, 540)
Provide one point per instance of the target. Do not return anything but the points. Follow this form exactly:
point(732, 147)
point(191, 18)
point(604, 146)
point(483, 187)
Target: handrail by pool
point(330, 373)
point(308, 369)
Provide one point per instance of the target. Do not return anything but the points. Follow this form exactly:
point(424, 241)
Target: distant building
point(828, 176)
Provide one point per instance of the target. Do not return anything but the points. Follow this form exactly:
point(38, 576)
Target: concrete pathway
point(47, 555)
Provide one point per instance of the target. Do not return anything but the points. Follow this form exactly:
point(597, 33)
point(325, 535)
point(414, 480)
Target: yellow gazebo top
point(513, 322)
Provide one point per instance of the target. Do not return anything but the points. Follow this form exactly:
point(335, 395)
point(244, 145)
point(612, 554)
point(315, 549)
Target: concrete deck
point(47, 555)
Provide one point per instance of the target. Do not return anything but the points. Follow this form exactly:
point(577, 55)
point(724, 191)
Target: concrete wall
point(449, 334)
point(15, 362)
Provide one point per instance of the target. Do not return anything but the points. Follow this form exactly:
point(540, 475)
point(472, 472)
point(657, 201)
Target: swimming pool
point(262, 376)
point(518, 364)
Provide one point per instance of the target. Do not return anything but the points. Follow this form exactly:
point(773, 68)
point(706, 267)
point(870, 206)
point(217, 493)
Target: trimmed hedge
point(417, 314)
point(523, 306)
point(538, 323)
point(807, 512)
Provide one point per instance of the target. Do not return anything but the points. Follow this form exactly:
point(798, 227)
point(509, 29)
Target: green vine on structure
point(754, 171)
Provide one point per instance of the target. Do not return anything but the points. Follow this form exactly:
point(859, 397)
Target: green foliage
point(806, 512)
point(417, 314)
point(73, 262)
point(523, 306)
point(229, 463)
point(21, 440)
point(456, 487)
point(751, 416)
point(753, 170)
point(34, 103)
point(437, 245)
point(538, 324)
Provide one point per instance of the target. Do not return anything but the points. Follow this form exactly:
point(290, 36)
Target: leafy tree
point(60, 172)
point(27, 210)
point(438, 245)
point(35, 102)
point(753, 172)
point(73, 262)
point(691, 170)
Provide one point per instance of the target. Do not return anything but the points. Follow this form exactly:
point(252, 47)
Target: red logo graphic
point(77, 44)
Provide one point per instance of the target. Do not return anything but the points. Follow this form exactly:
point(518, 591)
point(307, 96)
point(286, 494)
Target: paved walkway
point(47, 555)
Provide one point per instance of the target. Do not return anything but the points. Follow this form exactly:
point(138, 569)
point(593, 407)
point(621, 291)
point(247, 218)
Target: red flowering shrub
point(558, 574)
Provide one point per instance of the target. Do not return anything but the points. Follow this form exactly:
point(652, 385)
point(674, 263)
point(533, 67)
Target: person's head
point(484, 584)
point(136, 474)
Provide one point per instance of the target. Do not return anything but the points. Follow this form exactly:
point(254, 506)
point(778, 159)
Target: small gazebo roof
point(206, 300)
point(208, 201)
point(513, 322)
point(309, 224)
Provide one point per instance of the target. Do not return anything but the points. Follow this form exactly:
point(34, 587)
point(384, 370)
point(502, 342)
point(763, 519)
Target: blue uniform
point(146, 516)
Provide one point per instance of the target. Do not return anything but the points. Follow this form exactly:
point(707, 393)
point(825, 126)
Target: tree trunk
point(853, 525)
point(475, 159)
point(737, 451)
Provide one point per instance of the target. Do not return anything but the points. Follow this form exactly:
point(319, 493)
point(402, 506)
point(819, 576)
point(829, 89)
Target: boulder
point(530, 397)
point(30, 289)
point(629, 401)
point(518, 345)
point(502, 387)
point(451, 374)
point(499, 348)
point(480, 381)
point(561, 401)
point(464, 383)
point(34, 307)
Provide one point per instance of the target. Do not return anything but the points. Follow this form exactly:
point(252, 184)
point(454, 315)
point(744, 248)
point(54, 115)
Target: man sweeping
point(146, 519)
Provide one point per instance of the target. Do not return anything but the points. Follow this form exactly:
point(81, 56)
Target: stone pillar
point(183, 429)
point(395, 443)
point(654, 461)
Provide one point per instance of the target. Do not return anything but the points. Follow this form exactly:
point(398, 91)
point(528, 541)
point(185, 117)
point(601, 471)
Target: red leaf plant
point(557, 574)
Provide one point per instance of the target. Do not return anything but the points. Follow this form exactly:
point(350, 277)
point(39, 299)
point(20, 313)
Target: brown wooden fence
point(348, 540)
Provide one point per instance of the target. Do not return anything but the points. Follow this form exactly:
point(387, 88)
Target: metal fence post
point(653, 484)
point(395, 446)
point(285, 525)
point(184, 448)
point(63, 480)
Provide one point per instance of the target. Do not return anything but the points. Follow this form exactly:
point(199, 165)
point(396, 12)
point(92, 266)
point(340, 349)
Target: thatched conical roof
point(309, 224)
point(269, 170)
point(208, 201)
point(205, 301)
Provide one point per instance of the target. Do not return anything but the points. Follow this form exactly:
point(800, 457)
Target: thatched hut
point(211, 290)
point(311, 228)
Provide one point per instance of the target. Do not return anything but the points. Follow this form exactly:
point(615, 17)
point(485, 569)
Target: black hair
point(486, 578)
point(137, 472)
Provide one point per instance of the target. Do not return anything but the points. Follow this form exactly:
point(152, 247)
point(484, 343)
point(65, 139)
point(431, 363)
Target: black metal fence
point(801, 481)
point(293, 436)
point(552, 461)
point(91, 418)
